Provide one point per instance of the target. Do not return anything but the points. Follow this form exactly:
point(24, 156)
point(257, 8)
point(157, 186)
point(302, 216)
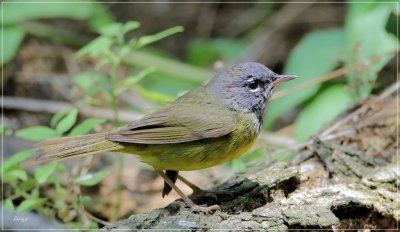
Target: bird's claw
point(205, 209)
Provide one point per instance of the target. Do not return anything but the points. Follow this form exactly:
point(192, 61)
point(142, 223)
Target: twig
point(52, 107)
point(96, 219)
point(331, 75)
point(276, 139)
point(363, 108)
point(389, 91)
point(334, 74)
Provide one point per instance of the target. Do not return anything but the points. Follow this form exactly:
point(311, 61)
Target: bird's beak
point(283, 78)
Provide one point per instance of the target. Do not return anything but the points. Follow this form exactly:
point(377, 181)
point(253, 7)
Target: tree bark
point(346, 178)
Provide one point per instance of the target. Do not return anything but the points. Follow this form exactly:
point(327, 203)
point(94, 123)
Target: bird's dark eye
point(254, 84)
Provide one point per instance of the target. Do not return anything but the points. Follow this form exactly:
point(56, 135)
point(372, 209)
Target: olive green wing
point(173, 125)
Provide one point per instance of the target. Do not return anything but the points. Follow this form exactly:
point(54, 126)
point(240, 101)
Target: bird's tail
point(72, 147)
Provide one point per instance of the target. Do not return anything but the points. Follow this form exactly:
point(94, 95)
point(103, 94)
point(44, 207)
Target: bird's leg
point(200, 192)
point(189, 202)
point(172, 175)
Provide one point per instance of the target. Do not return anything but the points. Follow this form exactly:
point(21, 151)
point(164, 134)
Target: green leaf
point(84, 80)
point(132, 80)
point(61, 191)
point(36, 133)
point(204, 53)
point(91, 178)
point(15, 160)
point(57, 117)
point(111, 29)
point(323, 109)
point(15, 174)
point(27, 185)
point(124, 49)
point(8, 204)
point(67, 122)
point(129, 26)
point(84, 200)
point(148, 39)
point(12, 38)
point(96, 47)
point(35, 193)
point(41, 173)
point(368, 43)
point(100, 16)
point(86, 126)
point(14, 12)
point(103, 61)
point(30, 204)
point(317, 54)
point(152, 95)
point(91, 83)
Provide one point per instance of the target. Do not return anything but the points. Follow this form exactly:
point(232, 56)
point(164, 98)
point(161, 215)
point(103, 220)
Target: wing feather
point(177, 126)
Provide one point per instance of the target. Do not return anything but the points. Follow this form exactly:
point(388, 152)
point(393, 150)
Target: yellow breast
point(198, 154)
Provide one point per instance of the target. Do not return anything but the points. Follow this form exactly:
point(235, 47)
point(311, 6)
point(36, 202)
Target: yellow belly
point(191, 155)
point(197, 154)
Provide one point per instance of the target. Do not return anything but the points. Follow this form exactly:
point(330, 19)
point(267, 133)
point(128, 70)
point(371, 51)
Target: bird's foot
point(205, 209)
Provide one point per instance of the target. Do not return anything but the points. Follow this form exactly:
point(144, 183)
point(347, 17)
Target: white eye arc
point(254, 85)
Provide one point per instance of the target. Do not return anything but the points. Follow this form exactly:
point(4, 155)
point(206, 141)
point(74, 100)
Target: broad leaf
point(369, 45)
point(204, 53)
point(67, 122)
point(86, 126)
point(15, 12)
point(96, 47)
point(15, 160)
point(111, 29)
point(8, 204)
point(27, 185)
point(100, 16)
point(42, 173)
point(317, 54)
point(36, 133)
point(15, 174)
point(30, 204)
point(57, 117)
point(12, 38)
point(323, 109)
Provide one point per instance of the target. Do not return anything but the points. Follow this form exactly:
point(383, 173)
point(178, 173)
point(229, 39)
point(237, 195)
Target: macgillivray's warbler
point(205, 127)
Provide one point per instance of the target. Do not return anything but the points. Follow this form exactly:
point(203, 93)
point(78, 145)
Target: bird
point(205, 127)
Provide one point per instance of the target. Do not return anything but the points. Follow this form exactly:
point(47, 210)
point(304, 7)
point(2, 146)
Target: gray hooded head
point(244, 87)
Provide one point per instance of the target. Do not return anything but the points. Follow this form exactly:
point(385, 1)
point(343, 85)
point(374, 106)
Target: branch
point(52, 107)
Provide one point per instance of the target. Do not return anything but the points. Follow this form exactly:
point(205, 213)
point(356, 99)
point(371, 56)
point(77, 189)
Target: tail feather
point(69, 147)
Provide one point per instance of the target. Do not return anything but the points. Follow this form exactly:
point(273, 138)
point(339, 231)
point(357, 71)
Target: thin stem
point(120, 163)
point(118, 190)
point(113, 83)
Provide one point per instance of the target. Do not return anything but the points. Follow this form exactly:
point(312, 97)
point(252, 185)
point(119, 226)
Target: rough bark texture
point(346, 178)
